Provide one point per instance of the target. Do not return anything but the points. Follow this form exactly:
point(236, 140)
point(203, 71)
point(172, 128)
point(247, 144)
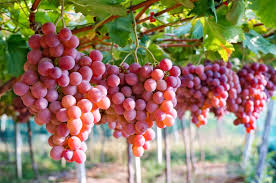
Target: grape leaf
point(120, 30)
point(266, 10)
point(215, 40)
point(257, 43)
point(204, 8)
point(197, 30)
point(16, 54)
point(236, 12)
point(182, 30)
point(100, 8)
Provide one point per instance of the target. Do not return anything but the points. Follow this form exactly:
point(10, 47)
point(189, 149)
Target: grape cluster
point(56, 88)
point(258, 84)
point(140, 95)
point(204, 88)
point(22, 114)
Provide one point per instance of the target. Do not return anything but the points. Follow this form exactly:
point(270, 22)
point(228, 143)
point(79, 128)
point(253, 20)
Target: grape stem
point(136, 38)
point(61, 15)
point(125, 58)
point(154, 59)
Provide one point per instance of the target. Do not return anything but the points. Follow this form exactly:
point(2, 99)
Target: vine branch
point(112, 17)
point(159, 13)
point(161, 27)
point(32, 14)
point(7, 86)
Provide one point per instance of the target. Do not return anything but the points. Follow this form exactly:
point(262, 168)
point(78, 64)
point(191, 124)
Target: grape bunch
point(22, 114)
point(204, 88)
point(257, 84)
point(139, 96)
point(56, 89)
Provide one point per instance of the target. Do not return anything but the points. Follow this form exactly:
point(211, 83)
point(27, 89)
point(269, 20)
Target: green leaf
point(16, 54)
point(120, 30)
point(100, 8)
point(236, 12)
point(197, 30)
point(266, 10)
point(182, 30)
point(215, 40)
point(257, 43)
point(204, 8)
point(187, 3)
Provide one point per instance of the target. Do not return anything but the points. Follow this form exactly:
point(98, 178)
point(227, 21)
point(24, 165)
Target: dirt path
point(204, 173)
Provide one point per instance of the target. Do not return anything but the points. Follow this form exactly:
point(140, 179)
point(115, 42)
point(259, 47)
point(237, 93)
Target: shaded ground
point(114, 173)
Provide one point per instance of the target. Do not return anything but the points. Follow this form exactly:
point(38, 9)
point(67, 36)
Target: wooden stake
point(191, 141)
point(187, 152)
point(34, 165)
point(159, 146)
point(264, 144)
point(18, 150)
point(167, 157)
point(247, 149)
point(138, 170)
point(81, 173)
point(130, 164)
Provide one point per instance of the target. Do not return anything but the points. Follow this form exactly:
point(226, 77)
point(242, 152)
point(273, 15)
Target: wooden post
point(264, 144)
point(34, 165)
point(187, 152)
point(202, 153)
point(167, 157)
point(130, 164)
point(18, 150)
point(4, 118)
point(247, 149)
point(159, 146)
point(91, 145)
point(138, 170)
point(102, 144)
point(175, 133)
point(219, 128)
point(191, 141)
point(81, 173)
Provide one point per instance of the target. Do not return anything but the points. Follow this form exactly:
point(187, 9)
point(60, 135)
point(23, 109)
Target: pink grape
point(84, 87)
point(38, 90)
point(34, 56)
point(34, 41)
point(56, 152)
point(166, 64)
point(85, 61)
point(61, 115)
point(70, 52)
point(56, 51)
point(86, 73)
point(118, 98)
point(131, 79)
point(129, 104)
point(96, 55)
point(69, 90)
point(20, 88)
point(44, 67)
point(73, 42)
point(85, 105)
point(66, 62)
point(64, 34)
point(98, 68)
point(41, 103)
point(48, 28)
point(52, 40)
point(75, 78)
point(113, 80)
point(54, 106)
point(52, 95)
point(63, 80)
